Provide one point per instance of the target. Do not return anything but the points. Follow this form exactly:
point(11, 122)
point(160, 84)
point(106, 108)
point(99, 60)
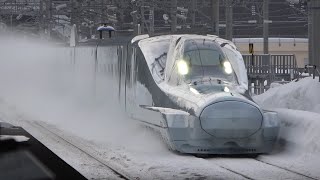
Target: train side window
point(158, 66)
point(155, 53)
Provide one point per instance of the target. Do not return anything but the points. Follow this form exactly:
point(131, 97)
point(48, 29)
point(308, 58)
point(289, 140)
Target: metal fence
point(265, 69)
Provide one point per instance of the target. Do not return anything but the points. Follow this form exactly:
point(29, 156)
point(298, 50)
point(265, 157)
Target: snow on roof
point(191, 36)
point(139, 37)
point(105, 28)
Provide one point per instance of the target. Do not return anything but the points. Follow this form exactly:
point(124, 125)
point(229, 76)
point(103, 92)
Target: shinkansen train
point(192, 89)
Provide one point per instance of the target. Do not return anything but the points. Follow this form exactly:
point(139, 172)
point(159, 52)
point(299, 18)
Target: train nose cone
point(231, 119)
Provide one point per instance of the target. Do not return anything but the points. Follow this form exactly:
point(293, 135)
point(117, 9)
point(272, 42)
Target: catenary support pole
point(193, 12)
point(173, 13)
point(265, 26)
point(215, 17)
point(310, 46)
point(151, 19)
point(229, 20)
point(315, 10)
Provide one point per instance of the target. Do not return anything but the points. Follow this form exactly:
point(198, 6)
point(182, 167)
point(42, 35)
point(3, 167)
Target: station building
point(281, 46)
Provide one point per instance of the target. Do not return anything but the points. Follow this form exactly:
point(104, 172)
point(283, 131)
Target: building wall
point(298, 47)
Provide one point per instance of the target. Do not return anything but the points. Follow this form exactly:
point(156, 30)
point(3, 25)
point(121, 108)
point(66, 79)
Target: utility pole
point(102, 12)
point(315, 49)
point(41, 22)
point(75, 17)
point(310, 46)
point(151, 20)
point(73, 12)
point(173, 13)
point(266, 26)
point(215, 17)
point(193, 12)
point(11, 22)
point(135, 20)
point(49, 17)
point(143, 19)
point(229, 20)
point(121, 12)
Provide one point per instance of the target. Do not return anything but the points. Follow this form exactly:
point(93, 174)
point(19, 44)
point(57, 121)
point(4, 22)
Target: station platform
point(23, 157)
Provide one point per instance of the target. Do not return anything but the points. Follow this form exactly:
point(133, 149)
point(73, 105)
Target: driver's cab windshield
point(204, 59)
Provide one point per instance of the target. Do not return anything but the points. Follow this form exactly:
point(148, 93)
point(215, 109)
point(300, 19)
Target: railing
point(265, 69)
point(271, 67)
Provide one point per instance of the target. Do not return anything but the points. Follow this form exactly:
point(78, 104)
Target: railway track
point(119, 173)
point(286, 169)
point(243, 168)
point(83, 161)
point(258, 168)
point(229, 164)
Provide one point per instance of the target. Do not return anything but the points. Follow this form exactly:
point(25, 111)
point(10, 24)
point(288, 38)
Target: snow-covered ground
point(301, 95)
point(298, 107)
point(36, 90)
point(146, 157)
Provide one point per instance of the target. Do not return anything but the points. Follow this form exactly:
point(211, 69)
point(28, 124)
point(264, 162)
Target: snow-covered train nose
point(231, 119)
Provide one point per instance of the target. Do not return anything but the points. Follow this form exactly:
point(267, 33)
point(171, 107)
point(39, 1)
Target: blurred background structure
point(229, 19)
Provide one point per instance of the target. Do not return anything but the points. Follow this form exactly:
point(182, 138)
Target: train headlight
point(227, 67)
point(226, 89)
point(182, 67)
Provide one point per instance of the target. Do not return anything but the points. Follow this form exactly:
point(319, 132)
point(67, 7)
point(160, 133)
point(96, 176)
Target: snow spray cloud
point(40, 79)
